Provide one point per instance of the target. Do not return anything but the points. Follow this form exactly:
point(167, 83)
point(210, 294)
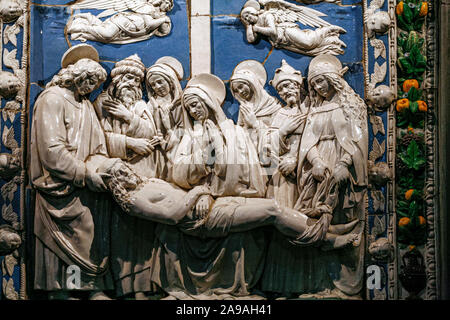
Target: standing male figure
point(131, 135)
point(67, 146)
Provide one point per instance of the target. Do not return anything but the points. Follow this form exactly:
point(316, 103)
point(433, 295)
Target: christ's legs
point(263, 212)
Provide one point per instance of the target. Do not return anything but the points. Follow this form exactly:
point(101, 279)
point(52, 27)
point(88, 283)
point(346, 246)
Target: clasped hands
point(249, 116)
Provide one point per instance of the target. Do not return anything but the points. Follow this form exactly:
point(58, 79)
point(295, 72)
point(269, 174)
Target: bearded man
point(67, 146)
point(131, 136)
point(128, 124)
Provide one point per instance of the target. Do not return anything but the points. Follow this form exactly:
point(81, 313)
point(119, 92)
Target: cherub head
point(164, 5)
point(381, 249)
point(9, 240)
point(378, 22)
point(10, 10)
point(379, 173)
point(381, 97)
point(9, 84)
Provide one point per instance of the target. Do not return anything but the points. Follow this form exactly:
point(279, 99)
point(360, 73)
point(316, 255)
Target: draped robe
point(199, 263)
point(71, 222)
point(336, 138)
point(132, 238)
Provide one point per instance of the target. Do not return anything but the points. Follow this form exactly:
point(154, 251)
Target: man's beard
point(128, 94)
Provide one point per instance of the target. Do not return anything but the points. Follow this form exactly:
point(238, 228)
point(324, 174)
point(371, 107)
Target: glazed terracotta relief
point(196, 149)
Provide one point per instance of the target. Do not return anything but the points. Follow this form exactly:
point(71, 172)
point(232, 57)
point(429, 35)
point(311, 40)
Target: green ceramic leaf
point(414, 95)
point(408, 15)
point(407, 66)
point(414, 106)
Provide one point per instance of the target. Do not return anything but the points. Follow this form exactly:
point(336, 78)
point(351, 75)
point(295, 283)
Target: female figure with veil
point(217, 250)
point(332, 167)
point(164, 92)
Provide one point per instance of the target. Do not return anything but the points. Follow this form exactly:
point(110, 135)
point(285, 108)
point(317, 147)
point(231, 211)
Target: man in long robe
point(131, 136)
point(67, 145)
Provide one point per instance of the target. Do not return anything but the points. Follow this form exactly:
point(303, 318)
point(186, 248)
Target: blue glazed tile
point(227, 7)
point(52, 2)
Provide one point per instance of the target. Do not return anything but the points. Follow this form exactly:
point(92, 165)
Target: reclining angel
point(277, 20)
point(128, 21)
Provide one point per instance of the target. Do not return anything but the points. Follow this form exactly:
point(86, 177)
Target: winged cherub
point(377, 21)
point(128, 20)
point(277, 20)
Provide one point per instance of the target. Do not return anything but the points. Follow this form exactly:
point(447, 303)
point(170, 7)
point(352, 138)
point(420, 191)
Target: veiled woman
point(164, 91)
point(218, 154)
point(257, 106)
point(332, 167)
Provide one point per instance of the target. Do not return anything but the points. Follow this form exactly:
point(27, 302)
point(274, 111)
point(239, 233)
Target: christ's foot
point(338, 242)
point(341, 229)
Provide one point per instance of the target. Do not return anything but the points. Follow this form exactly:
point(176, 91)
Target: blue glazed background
point(229, 47)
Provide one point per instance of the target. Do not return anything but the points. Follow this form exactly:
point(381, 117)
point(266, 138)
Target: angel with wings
point(127, 21)
point(277, 20)
point(377, 21)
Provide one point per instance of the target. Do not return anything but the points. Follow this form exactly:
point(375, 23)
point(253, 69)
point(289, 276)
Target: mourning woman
point(332, 166)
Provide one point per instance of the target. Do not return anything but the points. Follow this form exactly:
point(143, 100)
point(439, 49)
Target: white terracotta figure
point(67, 146)
point(223, 225)
point(283, 140)
point(256, 105)
point(277, 20)
point(128, 21)
point(230, 168)
point(164, 91)
point(129, 126)
point(332, 166)
point(131, 135)
point(285, 134)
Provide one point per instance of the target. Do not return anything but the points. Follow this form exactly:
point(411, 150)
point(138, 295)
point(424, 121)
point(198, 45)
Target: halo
point(79, 52)
point(251, 4)
point(173, 63)
point(254, 67)
point(213, 84)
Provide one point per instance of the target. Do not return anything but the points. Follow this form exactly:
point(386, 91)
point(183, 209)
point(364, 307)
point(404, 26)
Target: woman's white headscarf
point(253, 74)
